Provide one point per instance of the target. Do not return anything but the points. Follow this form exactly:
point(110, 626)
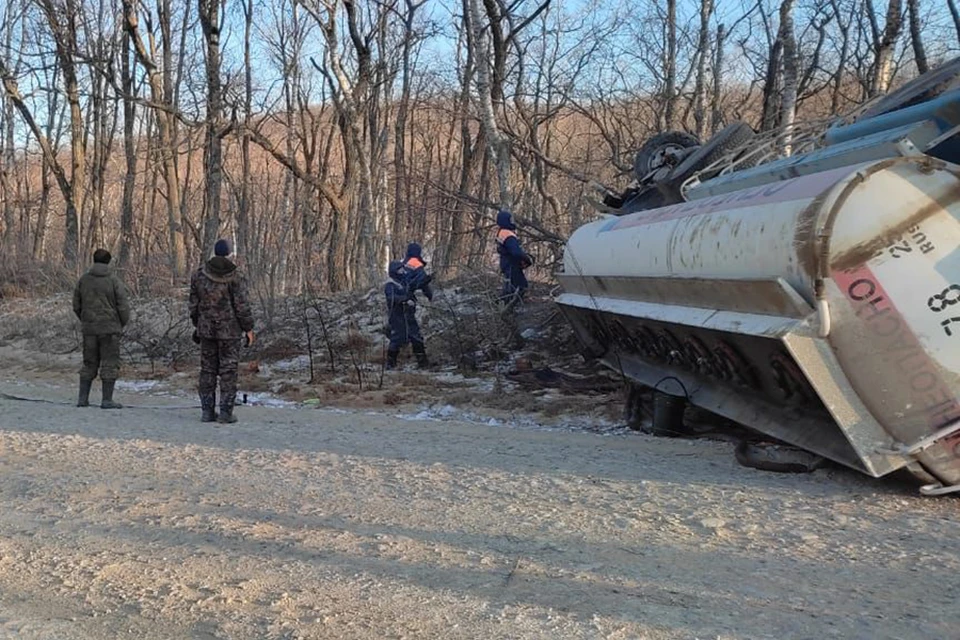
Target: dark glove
point(427, 279)
point(195, 337)
point(526, 261)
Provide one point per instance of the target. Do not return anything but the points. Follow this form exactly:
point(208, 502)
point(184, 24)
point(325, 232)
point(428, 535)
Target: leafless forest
point(323, 135)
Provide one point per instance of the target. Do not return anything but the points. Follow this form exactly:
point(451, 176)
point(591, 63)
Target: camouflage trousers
point(218, 358)
point(101, 354)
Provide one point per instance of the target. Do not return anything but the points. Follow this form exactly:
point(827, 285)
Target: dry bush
point(26, 277)
point(159, 333)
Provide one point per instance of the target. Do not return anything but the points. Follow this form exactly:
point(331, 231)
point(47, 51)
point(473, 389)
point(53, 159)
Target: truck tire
point(920, 89)
point(650, 157)
point(727, 139)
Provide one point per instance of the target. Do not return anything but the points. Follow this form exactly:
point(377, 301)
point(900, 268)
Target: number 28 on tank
point(942, 301)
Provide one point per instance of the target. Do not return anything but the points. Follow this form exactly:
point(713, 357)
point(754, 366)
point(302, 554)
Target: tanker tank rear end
point(823, 310)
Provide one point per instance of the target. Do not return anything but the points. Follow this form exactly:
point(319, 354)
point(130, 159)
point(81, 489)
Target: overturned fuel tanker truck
point(812, 296)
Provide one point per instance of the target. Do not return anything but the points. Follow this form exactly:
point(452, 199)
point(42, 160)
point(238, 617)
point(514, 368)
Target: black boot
point(421, 353)
point(208, 406)
point(107, 402)
point(392, 358)
point(226, 415)
point(83, 398)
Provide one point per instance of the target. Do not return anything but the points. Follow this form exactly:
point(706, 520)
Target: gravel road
point(297, 523)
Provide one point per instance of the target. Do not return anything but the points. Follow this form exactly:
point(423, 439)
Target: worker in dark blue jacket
point(402, 309)
point(513, 260)
point(417, 277)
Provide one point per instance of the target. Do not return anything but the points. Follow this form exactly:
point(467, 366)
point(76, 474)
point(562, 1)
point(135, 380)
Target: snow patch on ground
point(264, 400)
point(446, 412)
point(138, 386)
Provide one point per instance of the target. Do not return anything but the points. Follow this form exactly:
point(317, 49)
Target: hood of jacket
point(505, 220)
point(100, 270)
point(414, 250)
point(220, 269)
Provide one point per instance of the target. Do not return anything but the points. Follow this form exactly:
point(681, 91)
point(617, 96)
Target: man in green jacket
point(100, 301)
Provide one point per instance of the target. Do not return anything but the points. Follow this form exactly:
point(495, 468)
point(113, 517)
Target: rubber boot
point(392, 355)
point(208, 406)
point(226, 415)
point(107, 402)
point(421, 353)
point(83, 398)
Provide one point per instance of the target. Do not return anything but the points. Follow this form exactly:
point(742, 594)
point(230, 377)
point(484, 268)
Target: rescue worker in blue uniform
point(513, 260)
point(402, 309)
point(417, 277)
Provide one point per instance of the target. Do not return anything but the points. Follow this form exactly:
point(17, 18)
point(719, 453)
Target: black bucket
point(668, 411)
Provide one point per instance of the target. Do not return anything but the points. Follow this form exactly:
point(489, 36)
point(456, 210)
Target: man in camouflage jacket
point(220, 311)
point(100, 302)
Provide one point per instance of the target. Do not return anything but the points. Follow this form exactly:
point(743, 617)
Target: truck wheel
point(727, 139)
point(652, 154)
point(920, 89)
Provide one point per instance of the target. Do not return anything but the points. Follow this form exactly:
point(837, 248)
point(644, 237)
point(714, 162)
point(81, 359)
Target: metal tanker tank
point(822, 310)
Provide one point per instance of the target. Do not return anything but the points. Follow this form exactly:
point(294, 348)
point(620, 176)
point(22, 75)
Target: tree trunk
point(243, 211)
point(401, 203)
point(716, 116)
point(955, 14)
point(788, 104)
point(53, 108)
point(916, 38)
point(63, 26)
point(499, 148)
point(9, 247)
point(213, 143)
point(164, 112)
point(772, 87)
point(703, 51)
point(844, 27)
point(7, 152)
point(50, 158)
point(885, 48)
point(127, 234)
point(670, 67)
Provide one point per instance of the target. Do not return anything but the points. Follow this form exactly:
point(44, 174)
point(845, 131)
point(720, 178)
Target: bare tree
point(955, 14)
point(670, 66)
point(209, 13)
point(497, 143)
point(716, 114)
point(127, 233)
point(788, 103)
point(62, 20)
point(165, 114)
point(703, 52)
point(916, 38)
point(884, 44)
point(9, 20)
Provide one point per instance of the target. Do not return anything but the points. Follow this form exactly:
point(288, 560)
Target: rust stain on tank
point(805, 234)
point(866, 250)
